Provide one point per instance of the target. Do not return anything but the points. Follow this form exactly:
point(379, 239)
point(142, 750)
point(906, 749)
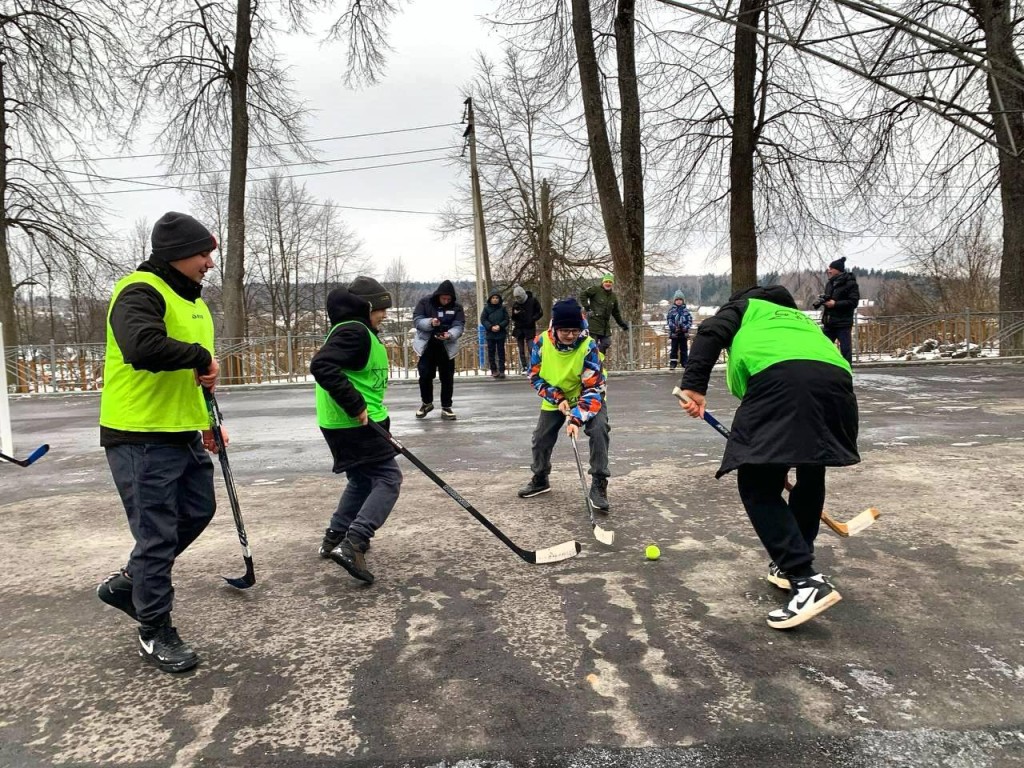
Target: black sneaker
point(424, 410)
point(350, 557)
point(807, 598)
point(116, 591)
point(160, 645)
point(777, 576)
point(599, 493)
point(448, 414)
point(538, 484)
point(332, 538)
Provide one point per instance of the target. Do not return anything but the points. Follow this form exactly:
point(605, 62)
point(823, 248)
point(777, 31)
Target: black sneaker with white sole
point(448, 414)
point(160, 645)
point(116, 591)
point(424, 409)
point(538, 484)
point(777, 576)
point(807, 598)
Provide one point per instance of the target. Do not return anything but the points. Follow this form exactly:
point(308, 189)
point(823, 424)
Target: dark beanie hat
point(839, 265)
point(178, 236)
point(369, 289)
point(567, 313)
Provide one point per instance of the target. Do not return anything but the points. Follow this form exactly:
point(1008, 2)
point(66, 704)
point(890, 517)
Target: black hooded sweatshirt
point(348, 349)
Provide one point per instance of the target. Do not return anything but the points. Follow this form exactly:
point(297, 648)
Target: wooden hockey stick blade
point(554, 554)
point(857, 524)
point(603, 534)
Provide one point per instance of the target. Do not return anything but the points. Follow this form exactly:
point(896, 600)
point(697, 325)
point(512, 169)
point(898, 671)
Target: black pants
point(435, 361)
point(368, 498)
point(603, 342)
point(787, 529)
point(678, 354)
point(496, 355)
point(167, 492)
point(845, 336)
point(524, 343)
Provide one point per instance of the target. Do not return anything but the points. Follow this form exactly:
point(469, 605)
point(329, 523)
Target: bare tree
point(58, 92)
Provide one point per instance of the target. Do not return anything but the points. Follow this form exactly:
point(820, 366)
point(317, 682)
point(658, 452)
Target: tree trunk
point(631, 271)
point(1008, 111)
point(7, 315)
point(547, 260)
point(742, 234)
point(234, 259)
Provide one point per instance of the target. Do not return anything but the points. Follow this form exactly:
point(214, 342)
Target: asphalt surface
point(463, 655)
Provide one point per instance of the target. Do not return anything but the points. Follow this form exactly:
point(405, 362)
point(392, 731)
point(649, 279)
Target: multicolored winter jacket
point(591, 375)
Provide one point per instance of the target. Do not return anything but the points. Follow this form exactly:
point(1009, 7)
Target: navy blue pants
point(845, 337)
point(167, 492)
point(368, 499)
point(496, 355)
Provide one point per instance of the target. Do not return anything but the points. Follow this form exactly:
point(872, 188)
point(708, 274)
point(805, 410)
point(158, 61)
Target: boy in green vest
point(159, 352)
point(567, 370)
point(798, 410)
point(351, 372)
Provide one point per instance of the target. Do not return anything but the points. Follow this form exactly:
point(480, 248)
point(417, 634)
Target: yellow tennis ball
point(652, 552)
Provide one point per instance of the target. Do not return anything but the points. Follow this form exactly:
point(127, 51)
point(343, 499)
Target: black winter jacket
point(844, 290)
point(495, 314)
point(525, 315)
point(348, 349)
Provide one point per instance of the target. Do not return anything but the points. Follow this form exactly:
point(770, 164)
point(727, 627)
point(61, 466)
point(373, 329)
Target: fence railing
point(282, 359)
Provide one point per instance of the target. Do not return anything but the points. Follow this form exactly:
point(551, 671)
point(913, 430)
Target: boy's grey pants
point(550, 423)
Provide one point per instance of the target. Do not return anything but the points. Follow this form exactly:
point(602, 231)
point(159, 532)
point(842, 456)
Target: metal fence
point(282, 359)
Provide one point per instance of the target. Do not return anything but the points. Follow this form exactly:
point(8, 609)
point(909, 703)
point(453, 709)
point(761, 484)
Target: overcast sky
point(434, 47)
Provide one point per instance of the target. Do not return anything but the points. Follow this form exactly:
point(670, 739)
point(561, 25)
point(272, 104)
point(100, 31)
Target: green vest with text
point(167, 401)
point(770, 334)
point(562, 369)
point(371, 381)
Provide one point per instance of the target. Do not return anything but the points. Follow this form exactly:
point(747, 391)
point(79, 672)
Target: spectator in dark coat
point(526, 313)
point(798, 410)
point(495, 321)
point(840, 300)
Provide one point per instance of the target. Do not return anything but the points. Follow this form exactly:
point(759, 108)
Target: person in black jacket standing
point(840, 300)
point(526, 312)
point(494, 319)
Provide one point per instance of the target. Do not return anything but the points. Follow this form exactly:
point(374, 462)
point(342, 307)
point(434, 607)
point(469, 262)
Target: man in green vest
point(351, 373)
point(159, 354)
point(567, 370)
point(798, 410)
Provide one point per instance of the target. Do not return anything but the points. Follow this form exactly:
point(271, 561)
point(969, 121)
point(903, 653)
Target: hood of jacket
point(776, 294)
point(491, 295)
point(344, 305)
point(444, 289)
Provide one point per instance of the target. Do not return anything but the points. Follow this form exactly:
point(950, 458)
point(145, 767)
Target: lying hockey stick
point(601, 534)
point(37, 454)
point(246, 581)
point(857, 523)
point(562, 551)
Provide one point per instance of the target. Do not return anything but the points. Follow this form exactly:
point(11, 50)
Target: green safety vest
point(770, 334)
point(371, 381)
point(562, 369)
point(167, 401)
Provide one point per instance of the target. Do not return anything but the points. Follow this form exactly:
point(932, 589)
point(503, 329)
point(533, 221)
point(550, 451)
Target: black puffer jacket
point(348, 349)
point(843, 289)
point(525, 315)
point(495, 314)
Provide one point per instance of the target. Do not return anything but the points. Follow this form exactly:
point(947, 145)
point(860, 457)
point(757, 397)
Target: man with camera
point(838, 304)
point(439, 321)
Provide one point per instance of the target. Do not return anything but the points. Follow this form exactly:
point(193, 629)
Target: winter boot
point(332, 538)
point(159, 644)
point(349, 555)
point(447, 413)
point(116, 591)
point(777, 576)
point(807, 598)
point(425, 408)
point(599, 493)
point(538, 484)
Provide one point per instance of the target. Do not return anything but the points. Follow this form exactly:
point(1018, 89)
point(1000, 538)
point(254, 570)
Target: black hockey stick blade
point(246, 581)
point(603, 535)
point(563, 551)
point(37, 454)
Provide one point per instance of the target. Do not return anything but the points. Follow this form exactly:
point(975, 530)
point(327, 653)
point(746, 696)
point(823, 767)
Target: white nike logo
point(146, 646)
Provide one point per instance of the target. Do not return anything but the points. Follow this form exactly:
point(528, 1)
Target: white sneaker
point(807, 598)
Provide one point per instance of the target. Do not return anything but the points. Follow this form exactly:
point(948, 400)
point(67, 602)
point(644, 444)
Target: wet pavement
point(461, 654)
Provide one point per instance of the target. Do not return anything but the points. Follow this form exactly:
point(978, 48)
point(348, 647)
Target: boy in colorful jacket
point(679, 321)
point(567, 371)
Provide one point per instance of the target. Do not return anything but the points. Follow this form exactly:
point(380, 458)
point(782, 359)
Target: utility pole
point(482, 261)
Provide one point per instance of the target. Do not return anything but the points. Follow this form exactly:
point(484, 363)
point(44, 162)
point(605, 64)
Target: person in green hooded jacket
point(601, 306)
point(797, 409)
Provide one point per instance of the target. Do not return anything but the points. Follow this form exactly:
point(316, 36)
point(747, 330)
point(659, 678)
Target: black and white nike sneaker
point(807, 598)
point(159, 644)
point(116, 591)
point(777, 576)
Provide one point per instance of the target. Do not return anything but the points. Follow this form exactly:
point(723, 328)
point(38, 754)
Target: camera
point(822, 298)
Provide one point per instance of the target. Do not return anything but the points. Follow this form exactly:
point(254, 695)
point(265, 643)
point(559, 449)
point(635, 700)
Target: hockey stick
point(562, 551)
point(601, 534)
point(246, 581)
point(857, 523)
point(37, 454)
